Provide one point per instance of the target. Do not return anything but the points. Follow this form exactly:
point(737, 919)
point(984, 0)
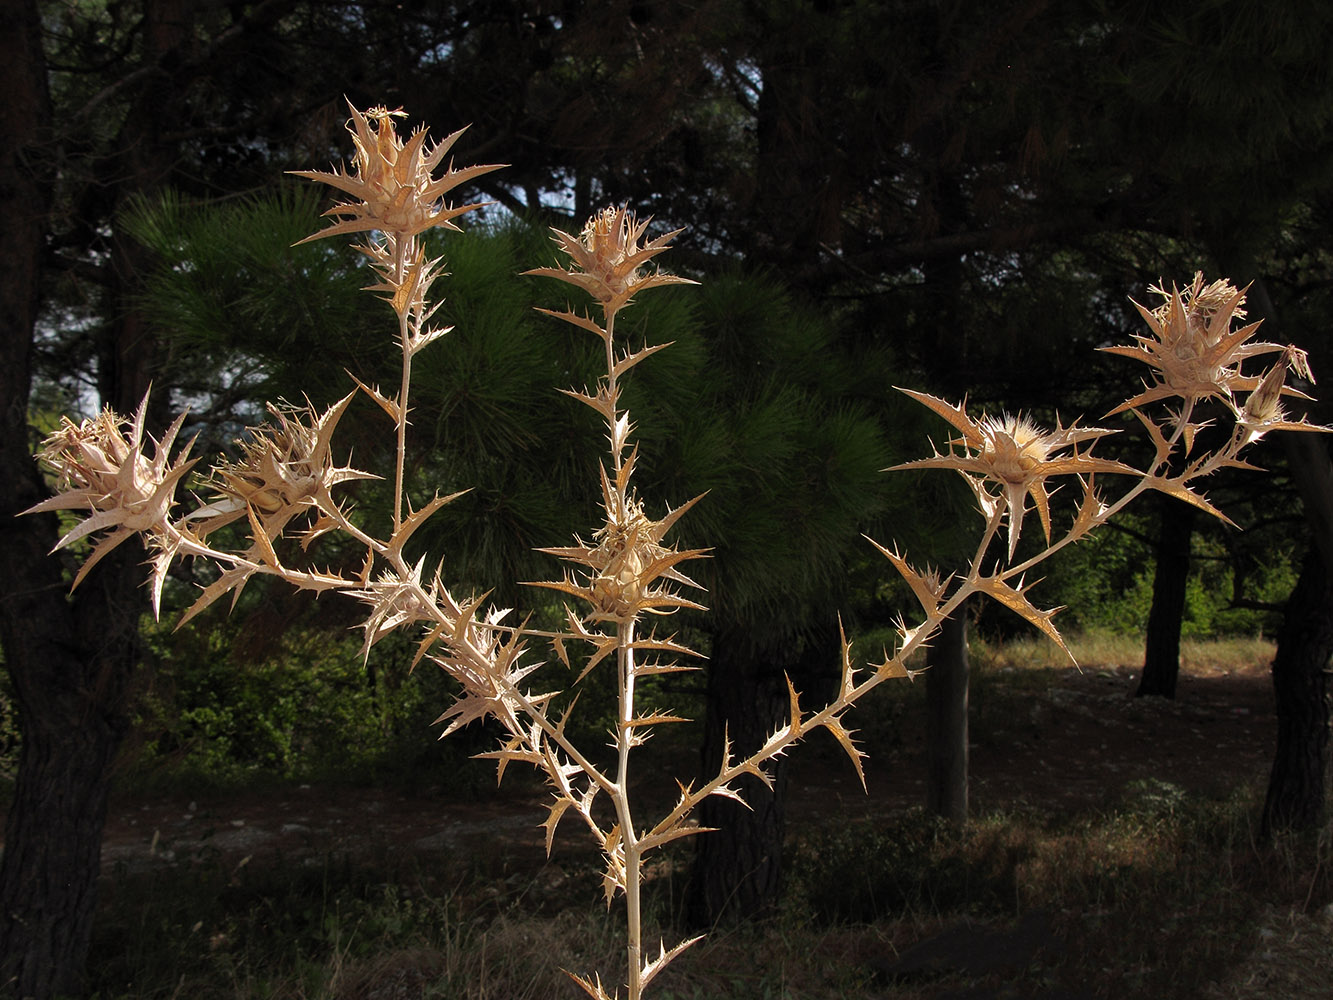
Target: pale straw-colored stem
point(629, 837)
point(401, 250)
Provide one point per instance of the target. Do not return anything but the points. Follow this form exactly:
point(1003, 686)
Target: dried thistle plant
point(1195, 355)
point(625, 574)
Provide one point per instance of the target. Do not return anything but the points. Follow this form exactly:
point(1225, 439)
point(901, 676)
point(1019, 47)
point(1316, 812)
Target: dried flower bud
point(1263, 410)
point(392, 181)
point(102, 468)
point(1191, 345)
point(608, 260)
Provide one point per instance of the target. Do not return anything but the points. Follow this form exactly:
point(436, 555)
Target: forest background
point(960, 197)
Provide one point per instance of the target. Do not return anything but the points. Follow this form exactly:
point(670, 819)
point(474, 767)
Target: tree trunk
point(65, 659)
point(70, 659)
point(946, 721)
point(1161, 651)
point(737, 869)
point(1295, 798)
point(69, 665)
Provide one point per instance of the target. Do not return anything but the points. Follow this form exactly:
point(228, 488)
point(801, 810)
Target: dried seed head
point(1016, 455)
point(1191, 346)
point(392, 181)
point(282, 469)
point(626, 548)
point(607, 260)
point(101, 467)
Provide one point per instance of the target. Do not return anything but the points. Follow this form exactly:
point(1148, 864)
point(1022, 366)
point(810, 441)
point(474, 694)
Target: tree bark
point(946, 721)
point(69, 664)
point(63, 657)
point(737, 869)
point(70, 659)
point(1295, 797)
point(1161, 649)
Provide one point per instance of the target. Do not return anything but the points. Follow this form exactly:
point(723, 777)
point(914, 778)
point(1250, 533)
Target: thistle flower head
point(1191, 346)
point(283, 467)
point(607, 260)
point(101, 467)
point(392, 181)
point(628, 567)
point(1016, 456)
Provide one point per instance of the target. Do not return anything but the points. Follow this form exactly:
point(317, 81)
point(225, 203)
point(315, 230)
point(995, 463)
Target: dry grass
point(1093, 650)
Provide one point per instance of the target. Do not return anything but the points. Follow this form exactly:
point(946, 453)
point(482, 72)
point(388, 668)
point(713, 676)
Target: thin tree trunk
point(1161, 650)
point(1295, 798)
point(737, 868)
point(946, 721)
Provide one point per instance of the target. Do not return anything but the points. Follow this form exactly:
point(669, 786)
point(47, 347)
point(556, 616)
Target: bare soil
point(1059, 741)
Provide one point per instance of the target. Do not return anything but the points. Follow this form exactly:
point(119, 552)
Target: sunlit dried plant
point(1195, 356)
point(625, 574)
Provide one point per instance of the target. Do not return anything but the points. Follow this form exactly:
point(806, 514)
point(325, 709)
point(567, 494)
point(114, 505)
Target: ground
point(1075, 739)
point(1054, 742)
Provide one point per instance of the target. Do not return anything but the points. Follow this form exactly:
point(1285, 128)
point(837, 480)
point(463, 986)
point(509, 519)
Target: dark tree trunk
point(66, 659)
point(946, 721)
point(1161, 648)
point(70, 660)
point(1295, 798)
point(69, 665)
point(737, 870)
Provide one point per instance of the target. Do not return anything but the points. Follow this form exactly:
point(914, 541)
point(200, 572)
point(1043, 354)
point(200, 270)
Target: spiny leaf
point(664, 957)
point(926, 597)
point(674, 832)
point(232, 578)
point(725, 791)
point(593, 989)
point(1015, 600)
point(654, 719)
point(844, 738)
point(553, 820)
point(630, 360)
point(794, 708)
point(416, 519)
point(387, 405)
point(599, 404)
point(1177, 489)
point(262, 541)
point(582, 322)
point(892, 666)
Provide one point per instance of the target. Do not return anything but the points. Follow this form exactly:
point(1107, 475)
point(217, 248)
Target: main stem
point(625, 712)
point(402, 249)
point(625, 741)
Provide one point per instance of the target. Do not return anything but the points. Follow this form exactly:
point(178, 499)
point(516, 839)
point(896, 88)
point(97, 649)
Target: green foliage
point(242, 701)
point(1105, 583)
